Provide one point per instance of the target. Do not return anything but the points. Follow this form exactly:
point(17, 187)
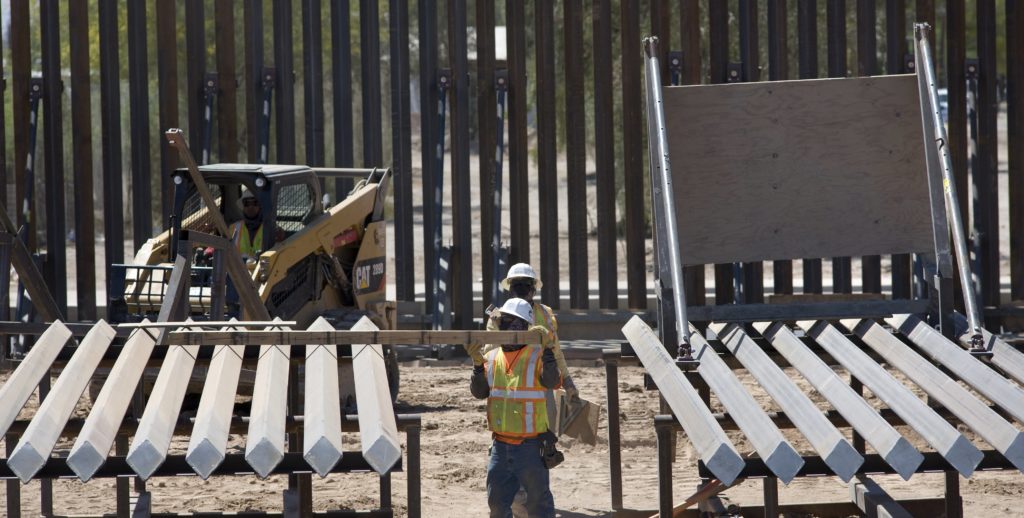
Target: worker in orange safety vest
point(514, 379)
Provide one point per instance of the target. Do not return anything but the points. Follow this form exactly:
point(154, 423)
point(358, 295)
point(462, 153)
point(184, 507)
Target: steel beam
point(167, 94)
point(322, 427)
point(766, 438)
point(427, 18)
point(109, 408)
point(604, 138)
point(55, 266)
point(19, 37)
point(462, 237)
point(284, 65)
point(690, 32)
point(890, 445)
point(632, 153)
point(227, 86)
point(968, 368)
point(138, 101)
point(960, 453)
point(153, 437)
point(822, 435)
point(1015, 140)
point(82, 154)
point(264, 445)
point(709, 440)
point(22, 382)
point(518, 143)
point(313, 81)
point(977, 415)
point(377, 428)
point(369, 52)
point(209, 439)
point(252, 21)
point(385, 337)
point(42, 433)
point(871, 499)
point(195, 69)
point(401, 148)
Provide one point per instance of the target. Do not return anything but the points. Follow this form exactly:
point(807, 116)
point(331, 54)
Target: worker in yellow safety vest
point(522, 282)
point(247, 233)
point(513, 378)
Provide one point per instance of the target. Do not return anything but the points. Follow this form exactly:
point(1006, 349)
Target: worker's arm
point(550, 377)
point(492, 325)
point(478, 383)
point(563, 367)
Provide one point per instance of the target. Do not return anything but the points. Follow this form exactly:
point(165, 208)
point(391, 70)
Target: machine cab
point(289, 197)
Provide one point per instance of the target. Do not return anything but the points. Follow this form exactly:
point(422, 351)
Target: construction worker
point(522, 282)
point(513, 379)
point(247, 233)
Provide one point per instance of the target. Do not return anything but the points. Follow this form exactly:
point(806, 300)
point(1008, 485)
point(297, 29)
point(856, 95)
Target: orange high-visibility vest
point(516, 406)
point(249, 245)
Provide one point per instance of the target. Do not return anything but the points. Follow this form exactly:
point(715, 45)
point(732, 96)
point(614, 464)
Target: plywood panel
point(793, 169)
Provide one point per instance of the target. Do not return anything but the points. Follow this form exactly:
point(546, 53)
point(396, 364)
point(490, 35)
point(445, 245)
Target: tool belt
point(548, 452)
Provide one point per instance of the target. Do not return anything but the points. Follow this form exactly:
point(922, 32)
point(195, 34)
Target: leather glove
point(546, 336)
point(571, 391)
point(475, 352)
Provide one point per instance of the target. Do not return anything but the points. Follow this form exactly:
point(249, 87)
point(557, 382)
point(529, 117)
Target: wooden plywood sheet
point(795, 169)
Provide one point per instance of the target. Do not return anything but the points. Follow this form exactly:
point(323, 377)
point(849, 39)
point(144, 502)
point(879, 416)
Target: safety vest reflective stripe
point(531, 367)
point(527, 395)
point(492, 367)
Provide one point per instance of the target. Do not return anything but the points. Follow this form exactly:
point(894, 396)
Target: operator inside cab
point(247, 233)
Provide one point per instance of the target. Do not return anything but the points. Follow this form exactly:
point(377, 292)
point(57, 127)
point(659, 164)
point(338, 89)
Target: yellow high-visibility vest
point(249, 245)
point(516, 406)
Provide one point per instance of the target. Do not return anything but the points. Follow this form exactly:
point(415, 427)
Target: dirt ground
point(454, 454)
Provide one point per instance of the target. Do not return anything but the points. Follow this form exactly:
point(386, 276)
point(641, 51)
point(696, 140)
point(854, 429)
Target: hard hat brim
point(506, 282)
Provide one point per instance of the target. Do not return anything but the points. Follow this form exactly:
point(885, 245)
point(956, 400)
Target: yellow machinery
point(316, 261)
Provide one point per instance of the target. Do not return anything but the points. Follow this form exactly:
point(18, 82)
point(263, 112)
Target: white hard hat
point(518, 308)
point(246, 194)
point(520, 270)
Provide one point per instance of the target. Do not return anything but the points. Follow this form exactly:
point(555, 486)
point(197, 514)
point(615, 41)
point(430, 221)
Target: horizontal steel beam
point(176, 465)
point(383, 337)
point(804, 311)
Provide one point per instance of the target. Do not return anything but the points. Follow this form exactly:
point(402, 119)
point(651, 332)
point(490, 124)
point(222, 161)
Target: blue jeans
point(511, 466)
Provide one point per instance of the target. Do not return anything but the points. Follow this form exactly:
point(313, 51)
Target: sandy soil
point(454, 449)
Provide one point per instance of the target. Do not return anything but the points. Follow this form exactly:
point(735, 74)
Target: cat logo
point(362, 277)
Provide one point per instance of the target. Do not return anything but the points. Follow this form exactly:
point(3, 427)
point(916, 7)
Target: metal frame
point(954, 456)
point(668, 259)
point(235, 464)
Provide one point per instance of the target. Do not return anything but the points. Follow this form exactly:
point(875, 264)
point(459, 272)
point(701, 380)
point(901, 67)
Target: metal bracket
point(909, 63)
point(971, 68)
point(35, 88)
point(269, 79)
point(501, 80)
point(210, 85)
point(675, 60)
point(444, 78)
point(734, 73)
point(675, 67)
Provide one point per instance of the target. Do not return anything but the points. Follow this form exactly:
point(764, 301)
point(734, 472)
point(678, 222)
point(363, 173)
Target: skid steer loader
point(316, 260)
